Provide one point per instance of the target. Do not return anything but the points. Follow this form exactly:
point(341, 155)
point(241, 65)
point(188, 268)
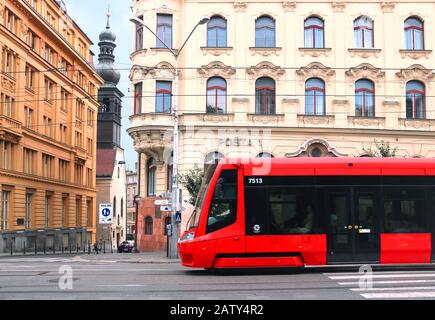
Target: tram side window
point(223, 209)
point(291, 211)
point(404, 210)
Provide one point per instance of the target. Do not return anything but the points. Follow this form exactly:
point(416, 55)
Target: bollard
point(111, 248)
point(45, 246)
point(36, 248)
point(104, 246)
point(24, 249)
point(89, 248)
point(12, 248)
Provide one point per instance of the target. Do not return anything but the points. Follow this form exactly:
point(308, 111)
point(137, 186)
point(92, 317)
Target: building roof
point(105, 162)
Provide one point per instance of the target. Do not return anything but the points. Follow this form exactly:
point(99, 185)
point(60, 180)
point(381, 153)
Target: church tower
point(109, 96)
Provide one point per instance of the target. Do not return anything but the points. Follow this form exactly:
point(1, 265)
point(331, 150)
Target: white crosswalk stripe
point(389, 285)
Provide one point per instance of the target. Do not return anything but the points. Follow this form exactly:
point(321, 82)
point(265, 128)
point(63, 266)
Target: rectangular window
point(91, 117)
point(6, 149)
point(5, 204)
point(88, 212)
point(31, 40)
point(138, 98)
point(49, 54)
point(8, 106)
point(80, 107)
point(11, 21)
point(164, 30)
point(89, 178)
point(79, 140)
point(48, 90)
point(64, 100)
point(9, 62)
point(28, 221)
point(28, 117)
point(48, 126)
point(139, 35)
point(63, 133)
point(30, 77)
point(29, 161)
point(223, 209)
point(63, 170)
point(163, 96)
point(405, 210)
point(78, 177)
point(47, 166)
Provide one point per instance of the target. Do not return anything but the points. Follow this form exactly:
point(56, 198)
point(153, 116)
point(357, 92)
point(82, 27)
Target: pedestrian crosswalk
point(388, 284)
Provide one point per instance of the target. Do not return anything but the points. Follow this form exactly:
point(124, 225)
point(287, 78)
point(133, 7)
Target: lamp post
point(173, 251)
point(136, 204)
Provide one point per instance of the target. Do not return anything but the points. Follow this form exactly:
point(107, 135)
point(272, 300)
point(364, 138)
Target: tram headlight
point(188, 236)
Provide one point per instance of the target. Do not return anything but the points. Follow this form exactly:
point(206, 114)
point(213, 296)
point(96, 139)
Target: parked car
point(125, 246)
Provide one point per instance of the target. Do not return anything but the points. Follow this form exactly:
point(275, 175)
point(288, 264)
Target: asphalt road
point(49, 278)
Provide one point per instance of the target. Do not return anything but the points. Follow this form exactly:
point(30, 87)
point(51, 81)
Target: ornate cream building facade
point(48, 113)
point(282, 78)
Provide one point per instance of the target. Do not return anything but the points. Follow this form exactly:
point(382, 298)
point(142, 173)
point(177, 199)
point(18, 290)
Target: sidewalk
point(145, 257)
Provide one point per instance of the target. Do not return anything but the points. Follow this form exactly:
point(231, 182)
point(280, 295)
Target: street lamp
point(173, 251)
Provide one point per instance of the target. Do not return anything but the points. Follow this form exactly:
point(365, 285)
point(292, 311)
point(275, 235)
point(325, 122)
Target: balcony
point(10, 129)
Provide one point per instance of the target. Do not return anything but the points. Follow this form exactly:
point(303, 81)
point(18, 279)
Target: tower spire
point(108, 15)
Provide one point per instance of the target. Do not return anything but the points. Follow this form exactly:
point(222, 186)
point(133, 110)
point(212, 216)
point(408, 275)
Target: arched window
point(315, 97)
point(415, 100)
point(414, 34)
point(364, 98)
point(217, 32)
point(122, 207)
point(265, 96)
point(265, 32)
point(212, 159)
point(314, 33)
point(148, 225)
point(216, 95)
point(265, 155)
point(151, 177)
point(163, 96)
point(363, 32)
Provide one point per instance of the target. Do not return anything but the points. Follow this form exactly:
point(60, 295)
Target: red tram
point(311, 212)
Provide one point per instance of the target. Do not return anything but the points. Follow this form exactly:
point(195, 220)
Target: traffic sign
point(106, 213)
point(165, 208)
point(178, 217)
point(164, 202)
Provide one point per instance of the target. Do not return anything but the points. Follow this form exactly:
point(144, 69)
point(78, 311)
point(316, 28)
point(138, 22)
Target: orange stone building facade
point(48, 113)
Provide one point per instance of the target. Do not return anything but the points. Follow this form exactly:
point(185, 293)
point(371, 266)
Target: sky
point(90, 15)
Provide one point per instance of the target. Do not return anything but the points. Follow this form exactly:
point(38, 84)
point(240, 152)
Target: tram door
point(353, 234)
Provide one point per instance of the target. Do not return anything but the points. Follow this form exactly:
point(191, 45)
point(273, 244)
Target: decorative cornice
point(417, 123)
point(289, 6)
point(365, 70)
point(265, 68)
point(364, 53)
point(387, 6)
point(315, 52)
point(316, 120)
point(315, 69)
point(304, 147)
point(216, 51)
point(415, 71)
point(415, 54)
point(290, 101)
point(163, 70)
point(216, 68)
point(338, 6)
point(265, 118)
point(367, 121)
point(265, 52)
point(240, 6)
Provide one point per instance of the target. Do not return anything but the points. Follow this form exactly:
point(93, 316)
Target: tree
point(191, 181)
point(383, 150)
